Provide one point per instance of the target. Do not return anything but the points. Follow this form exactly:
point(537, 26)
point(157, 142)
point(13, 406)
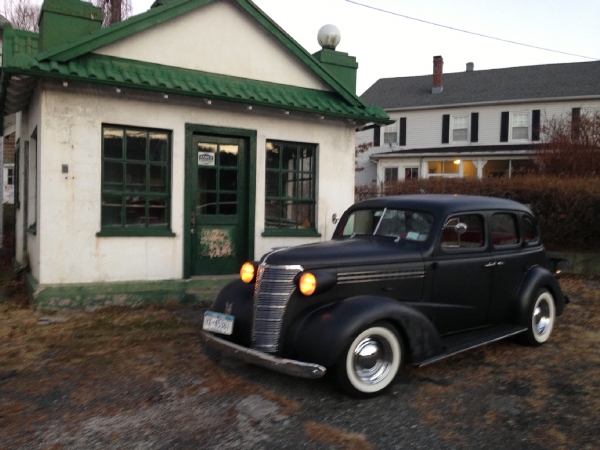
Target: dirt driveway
point(122, 378)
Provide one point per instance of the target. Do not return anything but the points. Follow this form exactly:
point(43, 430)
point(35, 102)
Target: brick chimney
point(438, 71)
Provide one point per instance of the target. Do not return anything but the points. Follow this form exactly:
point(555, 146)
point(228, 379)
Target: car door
point(512, 255)
point(462, 275)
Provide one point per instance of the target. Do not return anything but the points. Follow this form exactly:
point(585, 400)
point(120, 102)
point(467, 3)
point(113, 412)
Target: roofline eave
point(493, 103)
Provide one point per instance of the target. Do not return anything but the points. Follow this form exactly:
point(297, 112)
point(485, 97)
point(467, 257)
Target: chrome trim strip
point(287, 366)
point(357, 277)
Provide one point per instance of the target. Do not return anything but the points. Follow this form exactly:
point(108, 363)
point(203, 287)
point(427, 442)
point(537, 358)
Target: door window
point(504, 229)
point(454, 236)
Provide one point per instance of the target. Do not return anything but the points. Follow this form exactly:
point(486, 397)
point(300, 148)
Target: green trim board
point(75, 62)
point(191, 164)
point(53, 297)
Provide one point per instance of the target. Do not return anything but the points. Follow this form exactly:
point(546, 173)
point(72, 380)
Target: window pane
point(207, 203)
point(228, 204)
point(135, 211)
point(113, 176)
point(451, 168)
point(520, 133)
point(495, 169)
point(391, 174)
point(273, 152)
point(390, 138)
point(207, 178)
point(228, 179)
point(136, 145)
point(272, 184)
point(459, 135)
point(228, 155)
point(111, 210)
point(529, 230)
point(473, 237)
point(158, 179)
point(113, 143)
point(136, 177)
point(469, 169)
point(157, 211)
point(504, 229)
point(289, 158)
point(520, 167)
point(159, 146)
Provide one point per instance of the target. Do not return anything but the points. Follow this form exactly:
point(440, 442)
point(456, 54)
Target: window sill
point(291, 233)
point(135, 232)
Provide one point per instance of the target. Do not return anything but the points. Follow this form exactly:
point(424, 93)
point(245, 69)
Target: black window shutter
point(403, 131)
point(445, 128)
point(504, 127)
point(535, 125)
point(376, 136)
point(474, 127)
point(575, 121)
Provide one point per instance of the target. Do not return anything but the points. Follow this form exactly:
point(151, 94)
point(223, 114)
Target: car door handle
point(500, 263)
point(490, 264)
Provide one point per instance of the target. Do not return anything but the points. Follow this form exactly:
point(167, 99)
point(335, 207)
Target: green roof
point(74, 61)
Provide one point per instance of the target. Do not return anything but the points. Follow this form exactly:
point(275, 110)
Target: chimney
point(438, 71)
point(63, 21)
point(470, 67)
point(342, 66)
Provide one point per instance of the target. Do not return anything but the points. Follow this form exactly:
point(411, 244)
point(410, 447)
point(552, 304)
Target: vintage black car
point(406, 279)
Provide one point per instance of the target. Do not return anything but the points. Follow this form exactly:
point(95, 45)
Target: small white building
point(470, 124)
point(177, 143)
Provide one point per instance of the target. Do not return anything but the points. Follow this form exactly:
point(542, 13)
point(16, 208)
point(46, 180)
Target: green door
point(219, 213)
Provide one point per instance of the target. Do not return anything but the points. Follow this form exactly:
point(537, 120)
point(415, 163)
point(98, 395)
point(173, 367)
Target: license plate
point(217, 322)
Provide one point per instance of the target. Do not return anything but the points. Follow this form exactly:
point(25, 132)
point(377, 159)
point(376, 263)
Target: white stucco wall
point(217, 38)
point(71, 120)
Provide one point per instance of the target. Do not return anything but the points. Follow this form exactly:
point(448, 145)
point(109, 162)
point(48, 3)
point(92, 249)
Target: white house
point(470, 124)
point(177, 143)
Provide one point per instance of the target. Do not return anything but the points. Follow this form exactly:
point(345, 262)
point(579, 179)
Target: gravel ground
point(139, 379)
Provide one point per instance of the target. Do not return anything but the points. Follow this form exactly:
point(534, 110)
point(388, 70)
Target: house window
point(441, 168)
point(391, 174)
point(520, 126)
point(390, 133)
point(136, 181)
point(290, 200)
point(10, 177)
point(411, 172)
point(460, 128)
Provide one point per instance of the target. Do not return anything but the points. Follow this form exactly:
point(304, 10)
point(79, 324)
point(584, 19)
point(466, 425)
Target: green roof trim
point(175, 8)
point(76, 61)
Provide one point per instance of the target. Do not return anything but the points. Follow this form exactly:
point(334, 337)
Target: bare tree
point(360, 148)
point(114, 10)
point(22, 14)
point(570, 146)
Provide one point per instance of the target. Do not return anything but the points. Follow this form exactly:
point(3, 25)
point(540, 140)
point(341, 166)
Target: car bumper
point(287, 366)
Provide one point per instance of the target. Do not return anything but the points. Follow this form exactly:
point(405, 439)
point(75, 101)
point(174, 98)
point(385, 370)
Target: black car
point(406, 279)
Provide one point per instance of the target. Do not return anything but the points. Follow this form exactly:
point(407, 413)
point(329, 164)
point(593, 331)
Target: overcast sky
point(387, 46)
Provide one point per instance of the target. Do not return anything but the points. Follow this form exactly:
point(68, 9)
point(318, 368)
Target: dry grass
point(551, 393)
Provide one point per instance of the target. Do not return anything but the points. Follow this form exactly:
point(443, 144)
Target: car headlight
point(307, 283)
point(247, 272)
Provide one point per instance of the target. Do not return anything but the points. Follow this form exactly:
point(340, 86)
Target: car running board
point(461, 342)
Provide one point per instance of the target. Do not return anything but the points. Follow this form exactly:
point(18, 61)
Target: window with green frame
point(136, 181)
point(290, 199)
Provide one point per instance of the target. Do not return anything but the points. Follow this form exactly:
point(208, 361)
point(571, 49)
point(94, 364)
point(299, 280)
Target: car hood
point(346, 252)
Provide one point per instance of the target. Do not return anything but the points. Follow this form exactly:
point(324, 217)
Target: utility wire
point(468, 32)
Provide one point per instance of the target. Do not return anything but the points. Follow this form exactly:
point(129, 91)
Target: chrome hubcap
point(541, 317)
point(372, 360)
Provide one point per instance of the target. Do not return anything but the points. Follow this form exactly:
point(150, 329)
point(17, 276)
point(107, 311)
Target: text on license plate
point(217, 322)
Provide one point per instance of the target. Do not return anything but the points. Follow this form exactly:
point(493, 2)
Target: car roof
point(443, 204)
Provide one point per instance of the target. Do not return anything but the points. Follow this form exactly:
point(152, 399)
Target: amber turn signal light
point(247, 272)
point(307, 284)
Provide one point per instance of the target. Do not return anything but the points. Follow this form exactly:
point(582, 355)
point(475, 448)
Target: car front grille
point(274, 286)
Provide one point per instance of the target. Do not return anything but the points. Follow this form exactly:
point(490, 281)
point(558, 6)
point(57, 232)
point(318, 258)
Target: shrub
point(567, 210)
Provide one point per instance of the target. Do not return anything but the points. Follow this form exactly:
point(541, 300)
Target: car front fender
point(322, 334)
point(236, 298)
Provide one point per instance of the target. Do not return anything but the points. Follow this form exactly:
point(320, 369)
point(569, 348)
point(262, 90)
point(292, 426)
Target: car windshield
point(397, 223)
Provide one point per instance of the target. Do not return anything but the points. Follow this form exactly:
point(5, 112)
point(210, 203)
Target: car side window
point(530, 233)
point(504, 229)
point(453, 237)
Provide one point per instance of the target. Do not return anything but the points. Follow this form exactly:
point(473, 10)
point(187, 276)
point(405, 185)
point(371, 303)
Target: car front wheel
point(542, 315)
point(371, 361)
